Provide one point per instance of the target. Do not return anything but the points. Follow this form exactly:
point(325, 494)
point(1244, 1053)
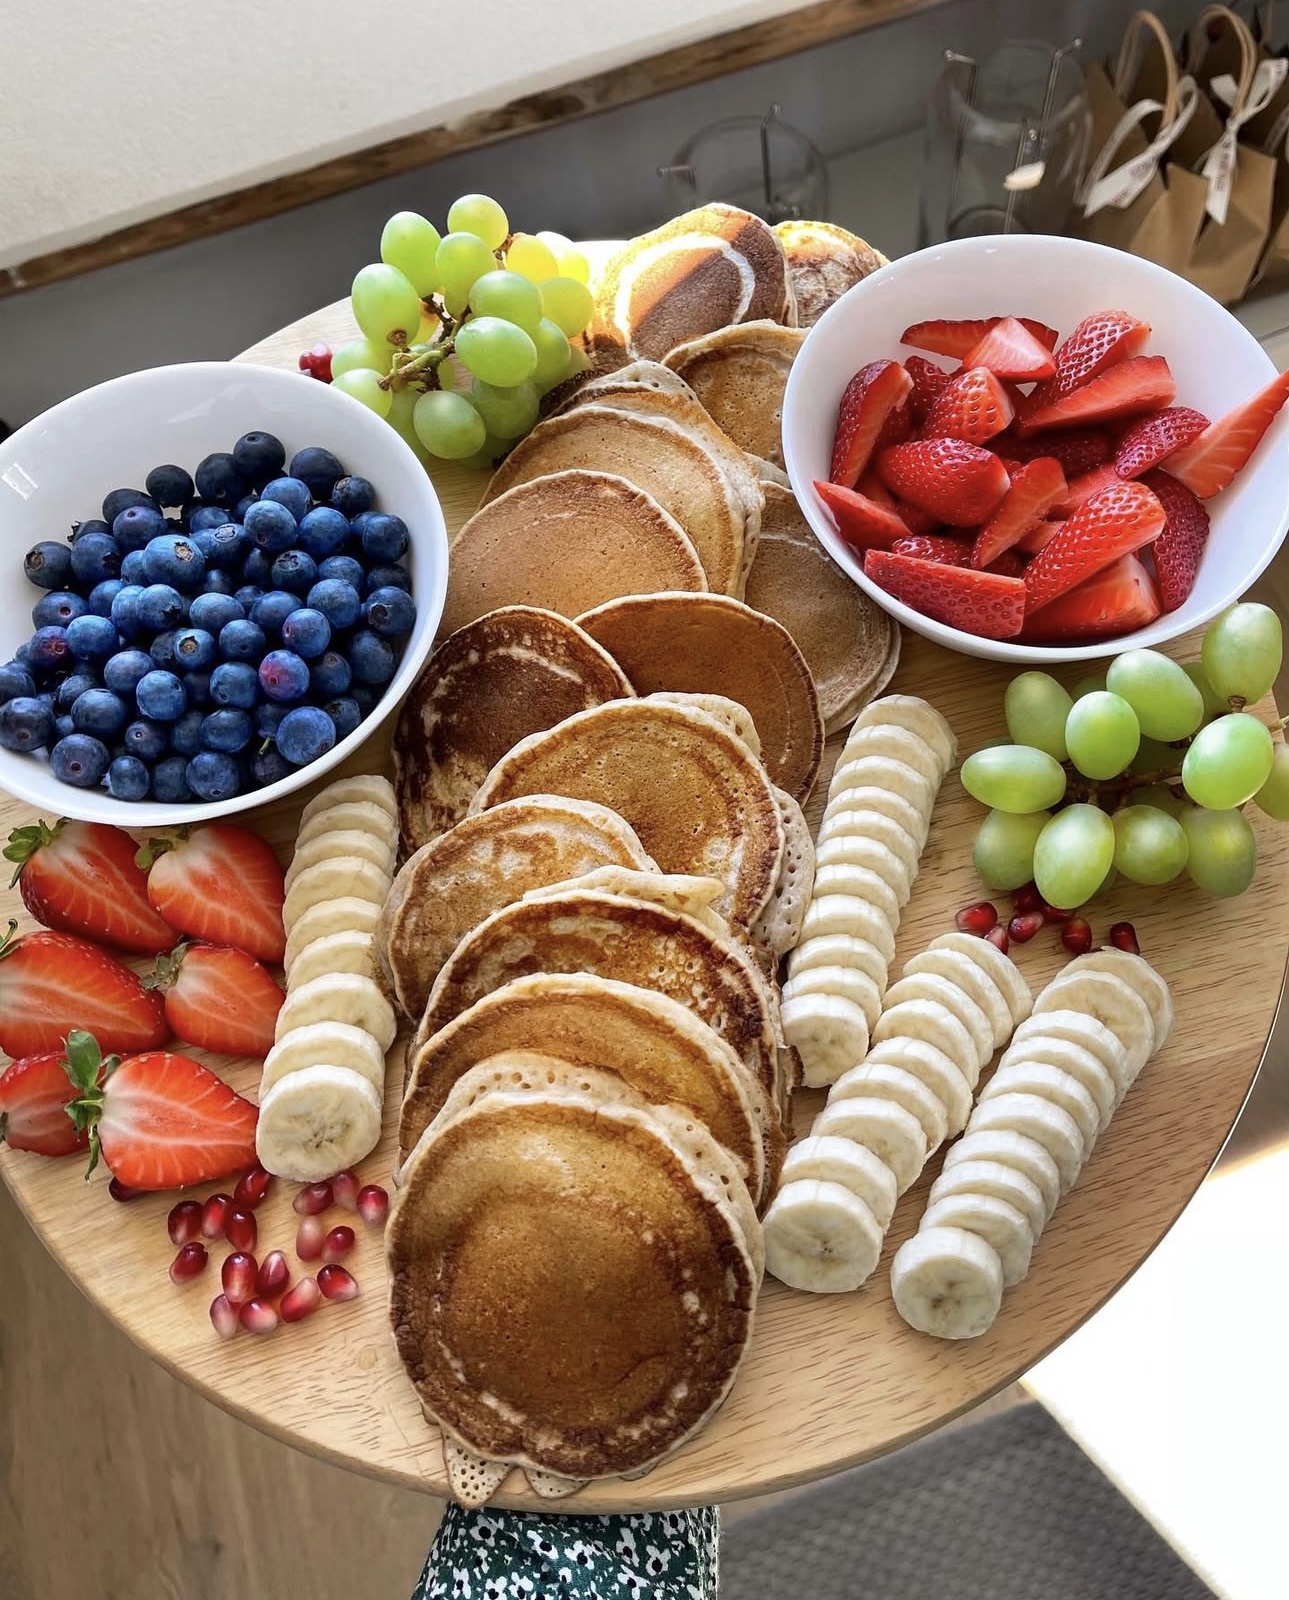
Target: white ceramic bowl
point(1217, 363)
point(56, 470)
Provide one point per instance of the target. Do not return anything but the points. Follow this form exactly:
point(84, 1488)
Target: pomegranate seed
point(316, 361)
point(184, 1221)
point(998, 938)
point(258, 1316)
point(978, 918)
point(308, 1239)
point(1026, 899)
point(238, 1276)
point(337, 1283)
point(373, 1205)
point(224, 1316)
point(313, 1199)
point(344, 1190)
point(338, 1243)
point(241, 1230)
point(1055, 914)
point(251, 1188)
point(1123, 936)
point(214, 1216)
point(299, 1300)
point(189, 1263)
point(273, 1276)
point(1076, 936)
point(123, 1192)
point(1023, 928)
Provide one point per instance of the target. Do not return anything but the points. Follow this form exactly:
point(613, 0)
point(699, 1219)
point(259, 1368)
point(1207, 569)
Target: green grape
point(486, 456)
point(532, 258)
point(1152, 756)
point(1228, 761)
point(386, 306)
point(1004, 849)
point(496, 351)
point(508, 296)
point(364, 385)
point(1242, 650)
point(1167, 703)
point(1074, 853)
point(361, 353)
point(1149, 845)
point(480, 215)
point(506, 412)
point(1014, 778)
point(448, 425)
point(410, 242)
point(1223, 852)
point(567, 303)
point(1036, 707)
point(1089, 685)
point(1214, 705)
point(1273, 796)
point(459, 260)
point(1102, 734)
point(553, 353)
point(401, 410)
point(569, 260)
point(1160, 796)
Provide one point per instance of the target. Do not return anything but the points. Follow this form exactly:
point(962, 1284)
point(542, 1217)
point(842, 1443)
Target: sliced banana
point(934, 1022)
point(882, 1081)
point(973, 980)
point(852, 843)
point(350, 951)
point(1080, 1064)
point(1109, 1000)
point(1037, 1119)
point(358, 814)
point(331, 878)
point(871, 800)
point(828, 1032)
point(317, 1121)
point(889, 1131)
point(1054, 1084)
point(1015, 1150)
point(347, 914)
point(947, 1282)
point(834, 1160)
point(340, 997)
point(849, 982)
point(997, 1222)
point(993, 1178)
point(943, 1077)
point(847, 913)
point(943, 991)
point(366, 789)
point(860, 883)
point(344, 842)
point(821, 1237)
point(919, 716)
point(325, 1044)
point(1138, 974)
point(1002, 969)
point(1080, 1029)
point(880, 772)
point(870, 855)
point(901, 744)
point(846, 950)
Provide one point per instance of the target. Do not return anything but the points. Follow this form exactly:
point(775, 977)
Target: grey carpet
point(1008, 1508)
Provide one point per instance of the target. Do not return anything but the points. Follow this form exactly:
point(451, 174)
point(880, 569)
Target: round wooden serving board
point(830, 1381)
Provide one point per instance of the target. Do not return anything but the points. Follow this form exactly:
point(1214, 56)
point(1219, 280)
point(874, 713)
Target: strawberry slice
point(959, 338)
point(218, 999)
point(1118, 599)
point(1081, 489)
point(956, 482)
point(1111, 524)
point(1209, 463)
point(81, 877)
point(914, 519)
point(929, 383)
point(1149, 441)
point(1040, 536)
point(974, 406)
point(1180, 547)
point(934, 547)
point(864, 523)
point(1142, 383)
point(52, 982)
point(1077, 449)
point(1100, 341)
point(1035, 488)
point(1011, 564)
point(976, 602)
point(220, 883)
point(868, 401)
point(1010, 350)
point(33, 1107)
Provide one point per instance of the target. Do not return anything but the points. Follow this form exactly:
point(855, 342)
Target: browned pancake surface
point(739, 375)
point(823, 262)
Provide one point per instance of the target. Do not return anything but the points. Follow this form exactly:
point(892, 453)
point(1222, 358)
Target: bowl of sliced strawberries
point(1032, 448)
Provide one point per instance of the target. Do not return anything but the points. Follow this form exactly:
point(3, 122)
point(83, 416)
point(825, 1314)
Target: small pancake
point(823, 262)
point(697, 800)
point(779, 926)
point(692, 896)
point(488, 685)
point(729, 713)
point(677, 470)
point(715, 644)
point(850, 644)
point(483, 863)
point(739, 375)
point(608, 387)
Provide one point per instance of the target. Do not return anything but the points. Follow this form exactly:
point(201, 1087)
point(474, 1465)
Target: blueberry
point(345, 715)
point(268, 766)
point(227, 730)
point(212, 776)
point(205, 517)
point(347, 569)
point(197, 686)
point(385, 538)
point(102, 595)
point(247, 595)
point(169, 485)
point(324, 532)
point(134, 567)
point(80, 759)
point(15, 680)
point(352, 496)
point(296, 571)
point(194, 647)
point(307, 632)
point(234, 683)
point(161, 606)
point(317, 468)
point(162, 649)
point(212, 611)
point(268, 718)
point(272, 525)
point(100, 712)
point(49, 565)
point(121, 499)
point(307, 732)
point(240, 640)
point(160, 696)
point(90, 525)
point(91, 638)
point(95, 556)
point(361, 521)
point(57, 609)
point(63, 725)
point(337, 600)
point(257, 569)
point(127, 777)
point(72, 687)
point(26, 724)
point(271, 610)
point(330, 675)
point(137, 526)
point(147, 740)
point(124, 670)
point(220, 582)
point(170, 781)
point(185, 734)
point(365, 696)
point(371, 657)
point(288, 492)
point(244, 505)
point(391, 613)
point(47, 649)
point(388, 578)
point(284, 676)
point(174, 558)
point(259, 457)
point(218, 479)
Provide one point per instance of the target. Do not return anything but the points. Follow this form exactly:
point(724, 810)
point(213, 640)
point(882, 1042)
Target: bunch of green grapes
point(463, 332)
point(1142, 772)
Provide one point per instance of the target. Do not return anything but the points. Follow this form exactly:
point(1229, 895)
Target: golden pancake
point(779, 927)
point(607, 388)
point(823, 262)
point(691, 896)
point(739, 375)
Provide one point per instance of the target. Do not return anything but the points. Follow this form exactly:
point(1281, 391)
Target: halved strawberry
point(863, 523)
point(33, 1107)
point(976, 602)
point(1209, 463)
point(935, 547)
point(1179, 549)
point(1115, 601)
point(958, 338)
point(868, 400)
point(1141, 383)
point(929, 382)
point(81, 877)
point(220, 883)
point(1111, 524)
point(1040, 536)
point(1010, 350)
point(1081, 489)
point(1035, 488)
point(1149, 441)
point(1077, 449)
point(51, 983)
point(218, 998)
point(1100, 341)
point(957, 482)
point(974, 406)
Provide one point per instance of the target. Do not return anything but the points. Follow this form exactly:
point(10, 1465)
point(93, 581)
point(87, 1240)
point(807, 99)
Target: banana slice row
point(322, 1090)
point(1056, 1087)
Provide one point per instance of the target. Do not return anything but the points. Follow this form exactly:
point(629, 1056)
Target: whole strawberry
point(51, 983)
point(219, 998)
point(33, 1107)
point(81, 877)
point(219, 883)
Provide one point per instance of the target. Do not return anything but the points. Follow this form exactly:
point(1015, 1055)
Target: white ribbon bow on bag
point(1121, 187)
point(1220, 163)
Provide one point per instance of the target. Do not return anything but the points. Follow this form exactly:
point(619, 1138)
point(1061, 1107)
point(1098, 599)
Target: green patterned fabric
point(519, 1555)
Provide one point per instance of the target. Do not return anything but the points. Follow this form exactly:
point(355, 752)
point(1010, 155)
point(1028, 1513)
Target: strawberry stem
point(24, 843)
point(88, 1071)
point(147, 853)
point(166, 972)
point(8, 944)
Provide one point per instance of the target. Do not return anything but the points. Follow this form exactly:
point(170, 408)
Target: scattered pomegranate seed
point(1055, 914)
point(214, 1215)
point(241, 1230)
point(1076, 936)
point(184, 1221)
point(373, 1205)
point(123, 1192)
point(1026, 899)
point(978, 918)
point(273, 1276)
point(223, 1314)
point(1022, 929)
point(299, 1300)
point(337, 1283)
point(258, 1316)
point(308, 1239)
point(1123, 936)
point(313, 1199)
point(344, 1190)
point(189, 1263)
point(251, 1188)
point(316, 361)
point(998, 938)
point(238, 1276)
point(338, 1243)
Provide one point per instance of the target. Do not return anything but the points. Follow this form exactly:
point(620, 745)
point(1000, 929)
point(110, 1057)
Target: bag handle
point(1245, 98)
point(1144, 28)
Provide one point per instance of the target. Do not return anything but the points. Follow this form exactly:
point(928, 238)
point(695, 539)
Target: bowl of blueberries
point(219, 580)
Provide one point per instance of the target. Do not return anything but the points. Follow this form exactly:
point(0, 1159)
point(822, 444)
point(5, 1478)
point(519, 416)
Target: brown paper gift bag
point(1268, 131)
